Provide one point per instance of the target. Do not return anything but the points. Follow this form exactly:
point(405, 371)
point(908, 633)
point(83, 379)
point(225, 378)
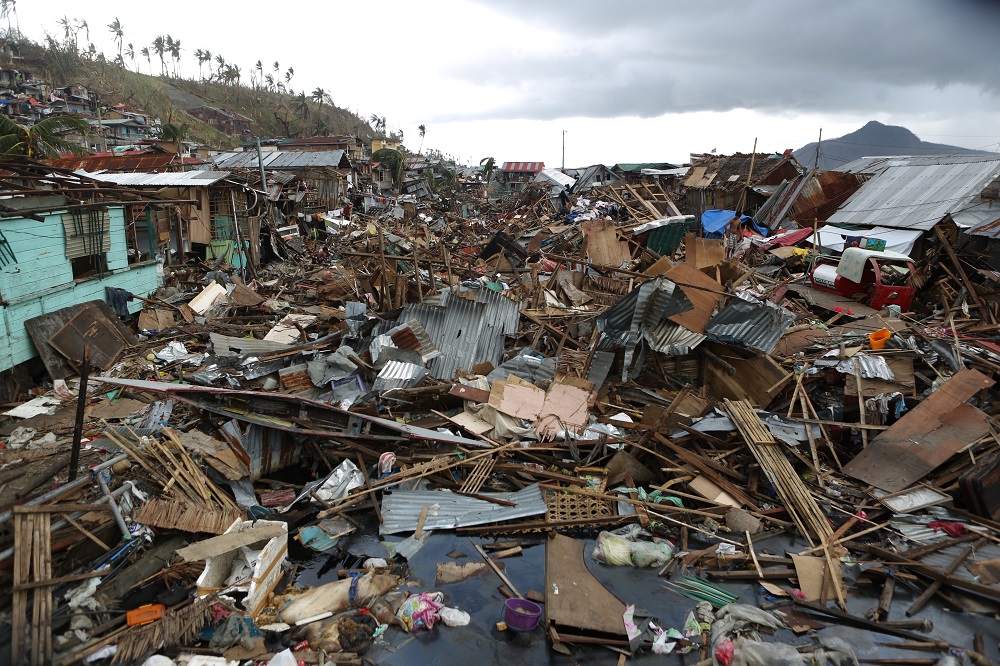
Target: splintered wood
point(32, 563)
point(792, 491)
point(170, 514)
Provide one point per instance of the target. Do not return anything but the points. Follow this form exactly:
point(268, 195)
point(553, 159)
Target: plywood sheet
point(902, 368)
point(602, 245)
point(758, 378)
point(523, 402)
point(701, 290)
point(575, 602)
point(810, 571)
point(925, 437)
point(703, 252)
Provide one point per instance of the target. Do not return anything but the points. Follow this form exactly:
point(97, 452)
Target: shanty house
point(917, 193)
point(354, 146)
point(322, 176)
point(727, 182)
point(60, 248)
point(227, 122)
point(516, 175)
point(210, 216)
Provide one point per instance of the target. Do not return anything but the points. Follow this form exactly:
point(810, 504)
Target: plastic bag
point(421, 611)
point(453, 617)
point(756, 653)
point(626, 551)
point(283, 658)
point(724, 653)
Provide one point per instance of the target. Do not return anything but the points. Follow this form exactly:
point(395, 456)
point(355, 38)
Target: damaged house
point(725, 182)
point(62, 243)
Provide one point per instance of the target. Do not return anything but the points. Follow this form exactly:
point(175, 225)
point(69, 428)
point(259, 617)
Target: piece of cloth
point(951, 529)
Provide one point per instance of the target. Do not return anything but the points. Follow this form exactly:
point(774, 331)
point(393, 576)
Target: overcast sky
point(628, 80)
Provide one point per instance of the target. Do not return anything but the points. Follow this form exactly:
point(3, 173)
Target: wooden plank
point(60, 508)
point(925, 437)
point(227, 542)
point(574, 599)
point(701, 290)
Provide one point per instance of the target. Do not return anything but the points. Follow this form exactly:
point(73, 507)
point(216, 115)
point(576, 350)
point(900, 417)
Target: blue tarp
point(714, 222)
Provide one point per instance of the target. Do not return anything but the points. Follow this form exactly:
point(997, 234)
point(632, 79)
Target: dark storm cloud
point(647, 58)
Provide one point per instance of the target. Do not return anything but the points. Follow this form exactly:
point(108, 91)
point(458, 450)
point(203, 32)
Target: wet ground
point(481, 643)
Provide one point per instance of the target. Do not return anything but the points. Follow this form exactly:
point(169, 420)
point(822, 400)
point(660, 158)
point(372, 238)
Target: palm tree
point(395, 161)
point(8, 7)
point(489, 166)
point(115, 27)
point(176, 134)
point(144, 51)
point(269, 80)
point(423, 130)
point(130, 54)
point(160, 46)
point(300, 105)
point(322, 126)
point(45, 138)
point(289, 73)
point(199, 55)
point(175, 53)
point(319, 96)
point(277, 67)
point(220, 65)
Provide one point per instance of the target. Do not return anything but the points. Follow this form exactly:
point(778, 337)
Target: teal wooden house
point(62, 242)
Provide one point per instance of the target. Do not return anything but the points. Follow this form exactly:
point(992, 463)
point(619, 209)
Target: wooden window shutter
point(88, 232)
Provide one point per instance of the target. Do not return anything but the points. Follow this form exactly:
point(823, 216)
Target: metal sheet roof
point(672, 339)
point(501, 311)
point(401, 510)
point(96, 163)
point(757, 326)
point(399, 375)
point(918, 192)
point(284, 159)
point(527, 167)
point(175, 179)
point(556, 176)
point(463, 333)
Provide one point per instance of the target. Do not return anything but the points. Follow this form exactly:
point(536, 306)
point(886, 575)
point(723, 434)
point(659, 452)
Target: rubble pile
point(581, 426)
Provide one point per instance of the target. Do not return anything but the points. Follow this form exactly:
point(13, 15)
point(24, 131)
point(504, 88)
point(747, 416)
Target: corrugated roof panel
point(401, 510)
point(527, 167)
point(757, 326)
point(918, 192)
point(672, 339)
point(501, 311)
point(170, 179)
point(399, 375)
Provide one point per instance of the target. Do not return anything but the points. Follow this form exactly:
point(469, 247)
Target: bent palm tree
point(46, 138)
point(423, 130)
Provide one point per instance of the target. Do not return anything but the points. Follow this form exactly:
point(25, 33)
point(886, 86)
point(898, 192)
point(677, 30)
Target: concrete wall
point(41, 281)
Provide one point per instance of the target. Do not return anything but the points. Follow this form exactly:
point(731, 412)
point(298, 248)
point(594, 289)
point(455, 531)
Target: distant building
point(354, 146)
point(227, 122)
point(516, 175)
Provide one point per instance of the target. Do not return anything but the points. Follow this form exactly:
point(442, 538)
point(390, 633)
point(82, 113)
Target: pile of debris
point(290, 465)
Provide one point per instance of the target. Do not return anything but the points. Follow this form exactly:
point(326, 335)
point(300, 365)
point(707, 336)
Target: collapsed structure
point(780, 415)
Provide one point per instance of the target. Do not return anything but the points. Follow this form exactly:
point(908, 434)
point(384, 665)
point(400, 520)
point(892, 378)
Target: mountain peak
point(873, 139)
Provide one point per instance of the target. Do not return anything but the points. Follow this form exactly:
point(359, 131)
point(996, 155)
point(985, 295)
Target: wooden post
point(81, 407)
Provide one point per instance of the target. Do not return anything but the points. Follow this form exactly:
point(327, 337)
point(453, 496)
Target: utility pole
point(564, 150)
point(819, 146)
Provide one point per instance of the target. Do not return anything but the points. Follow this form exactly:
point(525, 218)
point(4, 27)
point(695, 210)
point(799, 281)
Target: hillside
point(872, 140)
point(276, 114)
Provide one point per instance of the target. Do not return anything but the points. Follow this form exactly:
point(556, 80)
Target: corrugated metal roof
point(528, 167)
point(556, 176)
point(757, 326)
point(501, 311)
point(672, 339)
point(399, 375)
point(463, 333)
point(918, 192)
point(95, 163)
point(174, 179)
point(283, 159)
point(646, 305)
point(401, 510)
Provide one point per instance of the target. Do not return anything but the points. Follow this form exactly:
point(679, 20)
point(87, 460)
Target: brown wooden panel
point(925, 437)
point(582, 604)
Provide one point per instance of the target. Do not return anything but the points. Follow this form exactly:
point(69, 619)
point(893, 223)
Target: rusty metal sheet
point(89, 328)
point(924, 438)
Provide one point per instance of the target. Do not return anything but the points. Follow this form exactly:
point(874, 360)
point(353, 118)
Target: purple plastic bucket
point(524, 619)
